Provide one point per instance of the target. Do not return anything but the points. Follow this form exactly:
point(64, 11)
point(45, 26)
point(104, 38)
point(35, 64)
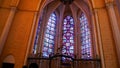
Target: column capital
point(109, 1)
point(14, 3)
point(108, 4)
point(13, 8)
point(96, 10)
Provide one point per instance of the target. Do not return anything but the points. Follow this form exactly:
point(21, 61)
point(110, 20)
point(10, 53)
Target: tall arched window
point(49, 37)
point(36, 38)
point(85, 37)
point(68, 37)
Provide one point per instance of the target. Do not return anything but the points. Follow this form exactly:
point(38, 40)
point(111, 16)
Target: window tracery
point(85, 37)
point(49, 38)
point(68, 37)
point(36, 38)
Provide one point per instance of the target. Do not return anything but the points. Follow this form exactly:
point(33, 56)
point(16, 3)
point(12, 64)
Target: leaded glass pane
point(85, 38)
point(36, 38)
point(68, 37)
point(49, 37)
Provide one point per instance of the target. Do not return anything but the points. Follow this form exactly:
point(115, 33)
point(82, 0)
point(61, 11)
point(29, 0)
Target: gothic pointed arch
point(85, 37)
point(9, 59)
point(68, 36)
point(49, 36)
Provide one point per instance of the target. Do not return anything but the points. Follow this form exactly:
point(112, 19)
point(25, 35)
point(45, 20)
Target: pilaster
point(115, 27)
point(105, 38)
point(30, 38)
point(6, 28)
point(99, 45)
point(12, 8)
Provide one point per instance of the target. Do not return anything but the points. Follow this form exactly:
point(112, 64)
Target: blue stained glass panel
point(49, 37)
point(85, 37)
point(36, 38)
point(68, 37)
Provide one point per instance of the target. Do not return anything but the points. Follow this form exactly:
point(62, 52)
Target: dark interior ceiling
point(66, 1)
point(67, 7)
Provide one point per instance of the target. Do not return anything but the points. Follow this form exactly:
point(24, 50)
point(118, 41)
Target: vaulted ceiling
point(73, 8)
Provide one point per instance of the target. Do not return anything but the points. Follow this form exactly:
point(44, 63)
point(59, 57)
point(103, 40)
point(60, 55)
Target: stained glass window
point(49, 37)
point(68, 37)
point(85, 37)
point(36, 38)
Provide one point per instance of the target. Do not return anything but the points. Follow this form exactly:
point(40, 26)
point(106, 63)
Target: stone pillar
point(42, 30)
point(60, 28)
point(7, 27)
point(59, 35)
point(98, 37)
point(95, 33)
point(30, 38)
point(105, 39)
point(115, 27)
point(76, 35)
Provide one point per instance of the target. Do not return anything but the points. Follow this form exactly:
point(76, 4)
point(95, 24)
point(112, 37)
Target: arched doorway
point(33, 65)
point(8, 62)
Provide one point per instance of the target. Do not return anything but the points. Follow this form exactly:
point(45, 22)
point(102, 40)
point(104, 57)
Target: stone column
point(95, 33)
point(42, 30)
point(59, 34)
point(7, 28)
point(30, 38)
point(76, 35)
point(115, 27)
point(60, 27)
point(98, 31)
